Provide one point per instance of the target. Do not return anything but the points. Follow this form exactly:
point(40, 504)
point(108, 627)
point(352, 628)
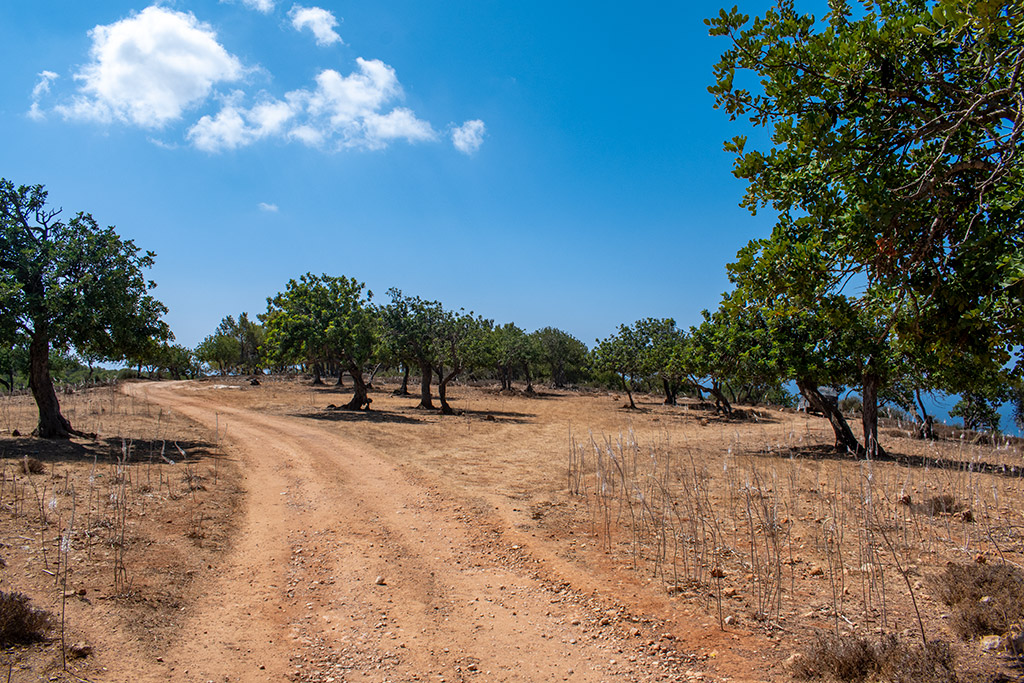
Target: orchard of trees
point(895, 268)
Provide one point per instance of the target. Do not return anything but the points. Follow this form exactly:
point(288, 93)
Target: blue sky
point(248, 142)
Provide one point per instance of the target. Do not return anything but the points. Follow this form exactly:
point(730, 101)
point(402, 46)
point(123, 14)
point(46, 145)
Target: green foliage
point(512, 350)
point(882, 178)
point(564, 356)
point(977, 411)
point(221, 351)
point(319, 319)
point(69, 284)
point(623, 354)
point(408, 324)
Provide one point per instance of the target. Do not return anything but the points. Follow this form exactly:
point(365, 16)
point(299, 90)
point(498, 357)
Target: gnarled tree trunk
point(52, 425)
point(359, 398)
point(845, 440)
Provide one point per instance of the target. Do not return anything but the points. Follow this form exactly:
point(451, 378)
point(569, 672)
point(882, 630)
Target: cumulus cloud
point(149, 68)
point(339, 112)
point(468, 137)
point(265, 6)
point(157, 67)
point(41, 88)
point(236, 126)
point(319, 21)
point(269, 208)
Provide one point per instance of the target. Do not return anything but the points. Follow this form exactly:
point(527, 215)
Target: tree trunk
point(869, 415)
point(625, 385)
point(404, 389)
point(924, 430)
point(426, 374)
point(359, 397)
point(442, 388)
point(670, 392)
point(317, 380)
point(341, 377)
point(558, 376)
point(52, 425)
point(529, 379)
point(845, 440)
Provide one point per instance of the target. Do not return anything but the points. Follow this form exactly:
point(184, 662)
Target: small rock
point(795, 659)
point(730, 620)
point(380, 581)
point(986, 600)
point(816, 570)
point(80, 650)
point(991, 643)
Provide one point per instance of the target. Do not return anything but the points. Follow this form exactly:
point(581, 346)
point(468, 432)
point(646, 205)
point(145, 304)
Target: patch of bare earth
point(553, 537)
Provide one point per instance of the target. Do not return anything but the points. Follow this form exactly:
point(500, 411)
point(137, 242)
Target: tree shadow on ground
point(375, 416)
point(497, 416)
point(104, 450)
point(824, 452)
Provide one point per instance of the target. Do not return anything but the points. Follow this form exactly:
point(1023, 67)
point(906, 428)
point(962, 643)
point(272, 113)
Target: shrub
point(32, 466)
point(19, 621)
point(852, 659)
point(985, 599)
point(850, 405)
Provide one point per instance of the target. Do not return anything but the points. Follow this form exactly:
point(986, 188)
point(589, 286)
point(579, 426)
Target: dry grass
point(755, 524)
point(106, 533)
point(852, 659)
point(985, 599)
point(20, 622)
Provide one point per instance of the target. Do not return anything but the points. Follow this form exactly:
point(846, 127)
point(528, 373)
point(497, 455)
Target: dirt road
point(350, 568)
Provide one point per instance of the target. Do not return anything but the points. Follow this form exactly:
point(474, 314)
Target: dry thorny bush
point(794, 536)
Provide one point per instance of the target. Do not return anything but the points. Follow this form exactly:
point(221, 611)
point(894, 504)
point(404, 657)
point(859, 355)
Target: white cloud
point(149, 68)
point(468, 137)
point(400, 123)
point(41, 88)
point(340, 111)
point(235, 126)
point(269, 208)
point(265, 6)
point(319, 21)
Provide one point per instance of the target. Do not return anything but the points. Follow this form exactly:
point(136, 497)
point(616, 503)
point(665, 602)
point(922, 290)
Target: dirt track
point(349, 568)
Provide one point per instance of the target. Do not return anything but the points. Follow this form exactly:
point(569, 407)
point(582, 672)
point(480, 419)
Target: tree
point(513, 350)
point(221, 351)
point(662, 346)
point(319, 319)
point(69, 283)
point(409, 326)
point(623, 355)
point(459, 342)
point(896, 155)
point(564, 355)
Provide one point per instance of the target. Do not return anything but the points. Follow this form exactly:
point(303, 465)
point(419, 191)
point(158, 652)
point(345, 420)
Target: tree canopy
point(895, 169)
point(320, 319)
point(69, 284)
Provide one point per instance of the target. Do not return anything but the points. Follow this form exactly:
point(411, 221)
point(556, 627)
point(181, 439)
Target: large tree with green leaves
point(564, 356)
point(409, 325)
point(895, 154)
point(320, 319)
point(460, 342)
point(69, 283)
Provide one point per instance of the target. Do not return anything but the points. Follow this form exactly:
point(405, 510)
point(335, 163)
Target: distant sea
point(939, 405)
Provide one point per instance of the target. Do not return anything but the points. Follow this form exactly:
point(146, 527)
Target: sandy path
point(348, 569)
